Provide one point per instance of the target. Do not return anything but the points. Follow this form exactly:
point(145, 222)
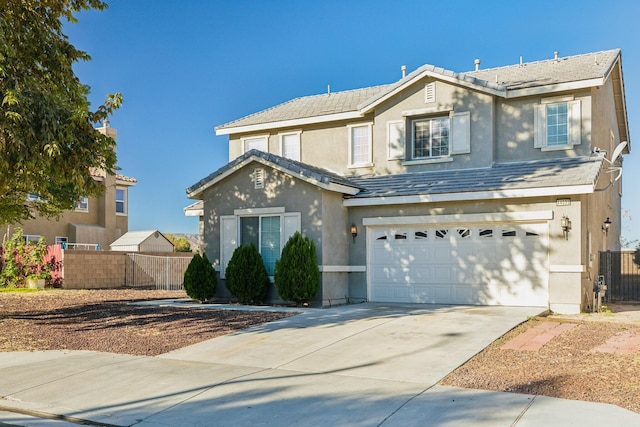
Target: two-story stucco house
point(490, 187)
point(96, 222)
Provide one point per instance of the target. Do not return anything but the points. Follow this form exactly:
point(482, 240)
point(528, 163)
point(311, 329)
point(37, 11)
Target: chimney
point(404, 71)
point(477, 62)
point(555, 56)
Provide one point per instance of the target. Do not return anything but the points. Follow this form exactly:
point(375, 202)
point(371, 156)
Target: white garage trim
point(469, 196)
point(343, 268)
point(459, 218)
point(567, 268)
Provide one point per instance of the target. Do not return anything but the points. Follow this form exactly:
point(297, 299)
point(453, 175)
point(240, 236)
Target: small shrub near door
point(200, 278)
point(246, 276)
point(297, 276)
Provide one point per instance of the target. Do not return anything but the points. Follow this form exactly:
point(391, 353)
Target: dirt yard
point(567, 366)
point(101, 320)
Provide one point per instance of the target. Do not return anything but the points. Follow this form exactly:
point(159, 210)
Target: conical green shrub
point(297, 276)
point(200, 278)
point(246, 277)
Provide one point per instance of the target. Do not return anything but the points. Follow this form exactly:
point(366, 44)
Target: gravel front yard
point(101, 320)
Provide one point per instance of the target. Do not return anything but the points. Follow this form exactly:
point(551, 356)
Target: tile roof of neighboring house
point(312, 173)
point(309, 106)
point(528, 75)
point(125, 178)
point(571, 171)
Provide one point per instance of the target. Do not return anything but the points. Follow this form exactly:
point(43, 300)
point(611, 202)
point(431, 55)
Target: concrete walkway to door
point(360, 365)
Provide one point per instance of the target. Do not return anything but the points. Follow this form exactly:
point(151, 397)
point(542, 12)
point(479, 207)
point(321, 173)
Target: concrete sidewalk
point(363, 365)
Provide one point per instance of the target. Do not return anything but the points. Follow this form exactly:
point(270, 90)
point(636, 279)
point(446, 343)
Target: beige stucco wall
point(99, 225)
point(327, 144)
point(323, 218)
point(515, 126)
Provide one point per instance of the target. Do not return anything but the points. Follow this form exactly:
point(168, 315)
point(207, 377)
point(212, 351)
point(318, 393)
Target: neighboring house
point(96, 222)
point(142, 241)
point(487, 187)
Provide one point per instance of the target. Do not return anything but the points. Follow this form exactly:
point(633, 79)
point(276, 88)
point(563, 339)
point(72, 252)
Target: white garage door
point(486, 265)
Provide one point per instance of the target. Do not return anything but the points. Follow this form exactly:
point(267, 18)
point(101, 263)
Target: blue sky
point(186, 66)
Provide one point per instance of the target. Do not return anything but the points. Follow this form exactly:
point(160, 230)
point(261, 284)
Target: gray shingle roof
point(505, 176)
point(570, 171)
point(530, 74)
point(315, 173)
point(309, 106)
point(541, 73)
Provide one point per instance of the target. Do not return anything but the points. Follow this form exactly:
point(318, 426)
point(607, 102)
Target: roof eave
point(558, 87)
point(470, 196)
point(288, 123)
point(368, 106)
point(331, 186)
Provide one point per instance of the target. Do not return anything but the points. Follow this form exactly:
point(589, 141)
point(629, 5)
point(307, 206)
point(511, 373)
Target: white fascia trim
point(577, 268)
point(523, 216)
point(258, 211)
point(429, 110)
point(194, 212)
point(331, 186)
point(366, 108)
point(288, 123)
point(559, 87)
point(343, 268)
point(470, 196)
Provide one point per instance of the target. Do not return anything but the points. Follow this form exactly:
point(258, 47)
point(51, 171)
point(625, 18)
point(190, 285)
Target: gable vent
point(258, 178)
point(430, 92)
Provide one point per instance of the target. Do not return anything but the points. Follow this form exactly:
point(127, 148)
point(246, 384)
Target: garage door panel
point(488, 264)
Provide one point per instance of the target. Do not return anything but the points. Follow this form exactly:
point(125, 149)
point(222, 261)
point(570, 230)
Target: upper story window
point(256, 143)
point(121, 200)
point(360, 145)
point(430, 137)
point(557, 123)
point(290, 145)
point(83, 204)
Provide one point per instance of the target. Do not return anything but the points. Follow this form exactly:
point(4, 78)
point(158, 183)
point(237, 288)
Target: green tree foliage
point(22, 261)
point(297, 275)
point(246, 276)
point(48, 144)
point(180, 244)
point(200, 278)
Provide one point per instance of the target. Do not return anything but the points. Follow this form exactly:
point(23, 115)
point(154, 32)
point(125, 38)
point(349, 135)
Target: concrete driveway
point(361, 365)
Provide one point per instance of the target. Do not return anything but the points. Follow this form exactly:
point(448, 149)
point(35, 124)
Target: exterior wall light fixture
point(354, 232)
point(565, 223)
point(606, 226)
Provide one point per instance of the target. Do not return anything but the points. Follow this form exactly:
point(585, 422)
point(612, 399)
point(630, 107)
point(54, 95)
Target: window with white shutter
point(557, 125)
